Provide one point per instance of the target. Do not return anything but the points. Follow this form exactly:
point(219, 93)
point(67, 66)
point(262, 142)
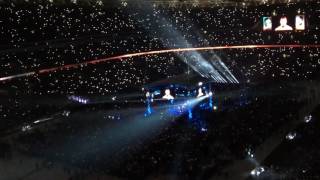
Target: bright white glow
point(215, 107)
point(200, 93)
point(167, 95)
point(291, 135)
point(300, 22)
point(200, 83)
point(267, 23)
point(78, 99)
point(257, 171)
point(307, 119)
point(42, 120)
point(283, 25)
point(26, 128)
point(253, 173)
point(250, 153)
point(66, 113)
point(37, 121)
point(205, 67)
point(210, 93)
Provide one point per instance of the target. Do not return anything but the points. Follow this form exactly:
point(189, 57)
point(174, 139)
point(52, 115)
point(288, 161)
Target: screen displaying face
point(283, 25)
point(267, 23)
point(300, 22)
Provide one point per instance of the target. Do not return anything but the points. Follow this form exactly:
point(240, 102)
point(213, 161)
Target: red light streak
point(124, 56)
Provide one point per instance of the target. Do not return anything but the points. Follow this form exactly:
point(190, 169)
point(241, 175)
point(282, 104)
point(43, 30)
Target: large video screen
point(284, 23)
point(267, 23)
point(300, 22)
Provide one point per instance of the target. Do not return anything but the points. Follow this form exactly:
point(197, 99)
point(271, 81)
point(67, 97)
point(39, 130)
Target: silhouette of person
point(283, 25)
point(300, 25)
point(267, 23)
point(200, 93)
point(167, 95)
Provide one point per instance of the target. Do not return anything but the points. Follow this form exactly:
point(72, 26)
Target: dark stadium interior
point(159, 89)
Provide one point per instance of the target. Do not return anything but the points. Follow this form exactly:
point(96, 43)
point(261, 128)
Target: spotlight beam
point(132, 133)
point(124, 56)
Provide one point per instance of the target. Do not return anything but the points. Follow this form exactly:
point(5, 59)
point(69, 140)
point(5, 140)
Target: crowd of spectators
point(38, 36)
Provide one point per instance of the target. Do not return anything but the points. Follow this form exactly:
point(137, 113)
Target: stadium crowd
point(38, 36)
point(35, 37)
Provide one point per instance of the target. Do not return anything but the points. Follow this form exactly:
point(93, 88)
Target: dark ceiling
point(169, 3)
